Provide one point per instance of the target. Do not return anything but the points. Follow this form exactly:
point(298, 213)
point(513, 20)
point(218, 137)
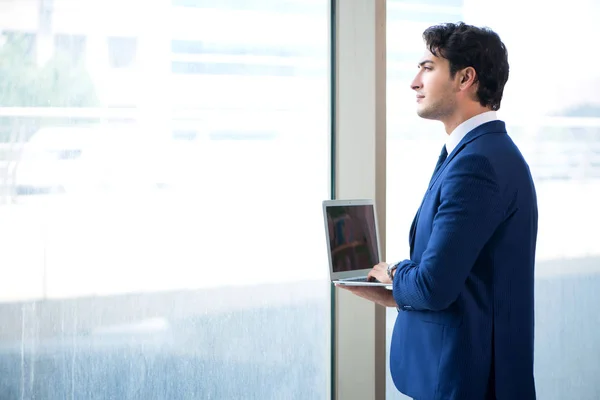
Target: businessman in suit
point(465, 324)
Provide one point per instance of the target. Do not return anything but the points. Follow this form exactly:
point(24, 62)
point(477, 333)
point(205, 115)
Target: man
point(465, 324)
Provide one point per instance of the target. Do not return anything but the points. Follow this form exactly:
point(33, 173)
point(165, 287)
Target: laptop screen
point(352, 237)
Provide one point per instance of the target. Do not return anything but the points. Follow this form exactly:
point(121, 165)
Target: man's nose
point(415, 84)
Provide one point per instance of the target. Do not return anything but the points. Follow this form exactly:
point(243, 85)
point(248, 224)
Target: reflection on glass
point(352, 237)
point(148, 251)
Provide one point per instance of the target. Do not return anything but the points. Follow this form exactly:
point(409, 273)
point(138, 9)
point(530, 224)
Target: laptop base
point(362, 283)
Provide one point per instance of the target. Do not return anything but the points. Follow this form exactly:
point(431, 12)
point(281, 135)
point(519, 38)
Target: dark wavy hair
point(469, 46)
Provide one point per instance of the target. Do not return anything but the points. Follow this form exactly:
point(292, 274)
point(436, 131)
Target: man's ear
point(468, 77)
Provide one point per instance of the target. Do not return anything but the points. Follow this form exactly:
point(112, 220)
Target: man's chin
point(424, 113)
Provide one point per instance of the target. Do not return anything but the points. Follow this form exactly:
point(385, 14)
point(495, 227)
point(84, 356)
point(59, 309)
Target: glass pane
point(555, 120)
point(159, 201)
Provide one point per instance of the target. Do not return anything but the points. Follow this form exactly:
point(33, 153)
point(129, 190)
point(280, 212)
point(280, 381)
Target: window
point(71, 46)
point(167, 250)
point(21, 42)
point(555, 121)
point(122, 51)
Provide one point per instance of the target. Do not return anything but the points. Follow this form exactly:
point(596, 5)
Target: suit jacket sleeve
point(470, 211)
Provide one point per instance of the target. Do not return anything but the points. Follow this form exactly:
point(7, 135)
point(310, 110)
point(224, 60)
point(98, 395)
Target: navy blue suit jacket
point(465, 328)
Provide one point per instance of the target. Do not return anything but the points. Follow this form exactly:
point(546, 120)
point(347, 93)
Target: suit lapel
point(413, 229)
point(489, 127)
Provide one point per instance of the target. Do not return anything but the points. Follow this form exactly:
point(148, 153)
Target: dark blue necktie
point(443, 155)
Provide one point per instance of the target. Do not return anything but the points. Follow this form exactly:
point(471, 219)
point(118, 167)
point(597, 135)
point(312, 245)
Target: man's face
point(435, 90)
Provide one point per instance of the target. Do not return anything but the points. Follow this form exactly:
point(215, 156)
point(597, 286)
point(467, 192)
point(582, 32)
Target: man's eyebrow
point(426, 62)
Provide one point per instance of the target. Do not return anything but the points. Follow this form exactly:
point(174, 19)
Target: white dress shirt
point(467, 126)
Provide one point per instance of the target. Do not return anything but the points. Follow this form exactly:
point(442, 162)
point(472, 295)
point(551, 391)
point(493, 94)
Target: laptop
point(352, 241)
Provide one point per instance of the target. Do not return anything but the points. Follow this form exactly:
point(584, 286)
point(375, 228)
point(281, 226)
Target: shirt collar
point(467, 126)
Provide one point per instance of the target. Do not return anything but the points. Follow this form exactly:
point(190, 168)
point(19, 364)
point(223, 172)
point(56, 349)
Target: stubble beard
point(438, 110)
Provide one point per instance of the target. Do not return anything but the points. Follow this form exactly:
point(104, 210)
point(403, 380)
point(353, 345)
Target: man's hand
point(379, 272)
point(376, 294)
